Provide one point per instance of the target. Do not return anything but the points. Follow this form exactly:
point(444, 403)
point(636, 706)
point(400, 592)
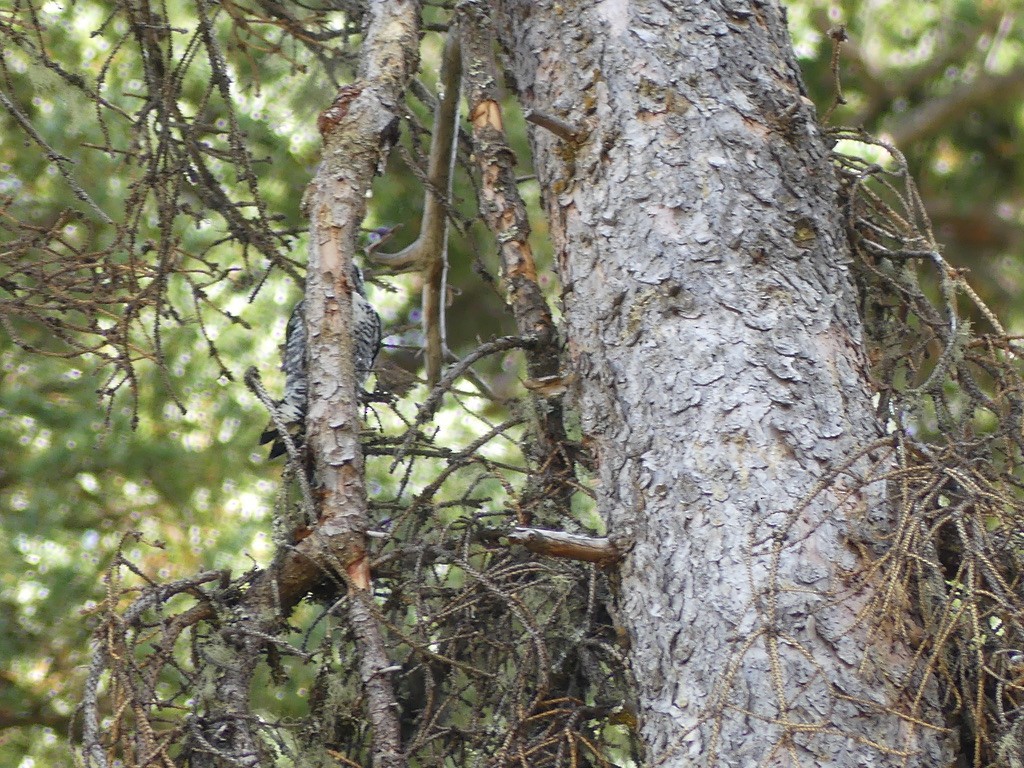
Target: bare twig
point(561, 128)
point(295, 457)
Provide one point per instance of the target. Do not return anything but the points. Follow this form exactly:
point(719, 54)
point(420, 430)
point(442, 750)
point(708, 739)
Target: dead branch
point(503, 209)
point(429, 252)
point(588, 549)
point(561, 128)
point(949, 543)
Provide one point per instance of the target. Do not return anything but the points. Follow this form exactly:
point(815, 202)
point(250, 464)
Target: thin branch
point(429, 252)
point(434, 231)
point(433, 401)
point(561, 128)
point(62, 162)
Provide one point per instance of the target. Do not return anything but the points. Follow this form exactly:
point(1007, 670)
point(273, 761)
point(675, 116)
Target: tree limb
point(503, 209)
point(561, 128)
point(429, 252)
point(591, 549)
point(355, 128)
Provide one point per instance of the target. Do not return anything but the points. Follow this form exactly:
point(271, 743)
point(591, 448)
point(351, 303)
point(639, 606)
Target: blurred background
point(172, 453)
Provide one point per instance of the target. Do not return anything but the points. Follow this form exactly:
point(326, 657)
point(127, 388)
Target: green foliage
point(943, 81)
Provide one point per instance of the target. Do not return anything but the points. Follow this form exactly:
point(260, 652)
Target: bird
point(366, 333)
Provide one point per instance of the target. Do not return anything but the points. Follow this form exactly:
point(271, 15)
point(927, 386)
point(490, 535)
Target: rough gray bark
point(711, 318)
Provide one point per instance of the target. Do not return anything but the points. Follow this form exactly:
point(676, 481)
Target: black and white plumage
point(366, 331)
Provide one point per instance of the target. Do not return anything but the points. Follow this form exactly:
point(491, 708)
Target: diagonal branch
point(504, 211)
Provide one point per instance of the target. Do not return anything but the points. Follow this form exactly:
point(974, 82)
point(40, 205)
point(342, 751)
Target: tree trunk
point(711, 318)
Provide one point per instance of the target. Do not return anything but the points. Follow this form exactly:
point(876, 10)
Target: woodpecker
point(366, 337)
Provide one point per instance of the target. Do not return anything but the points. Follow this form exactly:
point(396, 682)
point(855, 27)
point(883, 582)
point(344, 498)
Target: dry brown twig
point(952, 397)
